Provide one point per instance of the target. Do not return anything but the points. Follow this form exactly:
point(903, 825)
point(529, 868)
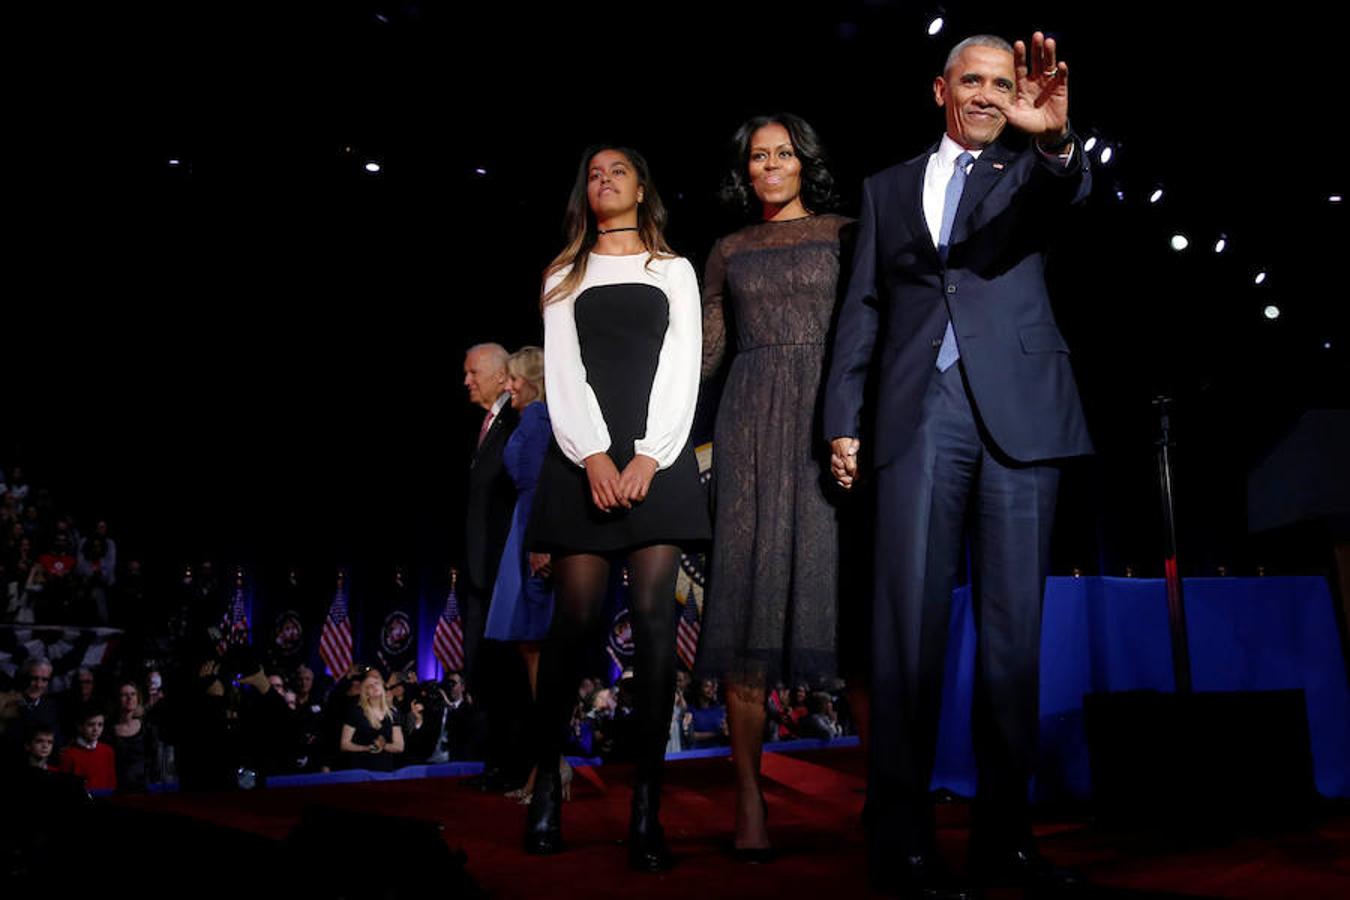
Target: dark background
point(256, 355)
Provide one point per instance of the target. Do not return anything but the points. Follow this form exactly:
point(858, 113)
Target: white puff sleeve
point(578, 424)
point(670, 410)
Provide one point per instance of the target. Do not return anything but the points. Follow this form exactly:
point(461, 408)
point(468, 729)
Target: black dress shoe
point(1025, 868)
point(917, 877)
point(755, 856)
point(647, 847)
point(543, 823)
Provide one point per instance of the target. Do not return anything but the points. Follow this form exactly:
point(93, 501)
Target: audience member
point(38, 748)
point(371, 736)
point(709, 716)
point(822, 721)
point(135, 743)
point(87, 756)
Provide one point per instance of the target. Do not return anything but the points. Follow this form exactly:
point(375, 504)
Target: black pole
point(1176, 604)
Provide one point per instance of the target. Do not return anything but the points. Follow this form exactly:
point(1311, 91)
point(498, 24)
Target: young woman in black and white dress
point(622, 350)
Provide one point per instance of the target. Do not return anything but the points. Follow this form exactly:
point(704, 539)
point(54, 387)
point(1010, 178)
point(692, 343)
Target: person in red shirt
point(87, 757)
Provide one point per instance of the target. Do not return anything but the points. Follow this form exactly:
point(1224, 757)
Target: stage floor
point(814, 799)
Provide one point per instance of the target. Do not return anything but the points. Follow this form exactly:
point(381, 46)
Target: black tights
point(580, 582)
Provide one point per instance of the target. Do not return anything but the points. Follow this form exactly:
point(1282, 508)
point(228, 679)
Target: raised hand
point(1041, 107)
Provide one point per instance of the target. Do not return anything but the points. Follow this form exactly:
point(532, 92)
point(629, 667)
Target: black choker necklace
point(616, 230)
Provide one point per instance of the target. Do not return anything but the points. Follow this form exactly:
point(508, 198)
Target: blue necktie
point(948, 354)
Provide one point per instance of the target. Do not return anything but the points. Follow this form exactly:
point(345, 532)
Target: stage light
point(1089, 144)
point(1156, 195)
point(175, 162)
point(1221, 244)
point(372, 166)
point(1120, 195)
point(1180, 241)
point(1106, 154)
point(1260, 277)
point(480, 171)
point(1326, 345)
point(1334, 198)
point(935, 26)
point(1271, 312)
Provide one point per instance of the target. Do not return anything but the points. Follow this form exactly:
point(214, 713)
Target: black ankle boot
point(543, 823)
point(647, 848)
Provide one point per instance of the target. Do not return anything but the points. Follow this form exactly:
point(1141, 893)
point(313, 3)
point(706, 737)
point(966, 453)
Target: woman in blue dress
point(522, 599)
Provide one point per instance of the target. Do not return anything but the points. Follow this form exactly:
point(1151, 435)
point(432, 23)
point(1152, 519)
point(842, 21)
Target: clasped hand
point(844, 461)
point(611, 489)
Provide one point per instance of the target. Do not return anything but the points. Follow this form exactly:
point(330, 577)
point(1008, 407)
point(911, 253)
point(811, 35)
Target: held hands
point(604, 479)
point(1041, 107)
point(844, 460)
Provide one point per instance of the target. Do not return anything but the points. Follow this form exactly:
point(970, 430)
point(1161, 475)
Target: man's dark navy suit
point(965, 454)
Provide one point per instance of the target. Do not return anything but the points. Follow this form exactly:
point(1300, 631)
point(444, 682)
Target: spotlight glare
point(1180, 241)
point(1106, 155)
point(372, 166)
point(1271, 312)
point(480, 171)
point(1326, 345)
point(1334, 198)
point(935, 26)
point(1260, 277)
point(1156, 195)
point(1120, 195)
point(175, 162)
point(1220, 245)
point(1089, 144)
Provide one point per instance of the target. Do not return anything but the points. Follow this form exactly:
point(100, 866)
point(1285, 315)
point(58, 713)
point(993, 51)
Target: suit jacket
point(992, 286)
point(491, 499)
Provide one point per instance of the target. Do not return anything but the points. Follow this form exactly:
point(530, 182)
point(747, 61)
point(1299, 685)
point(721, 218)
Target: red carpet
point(814, 803)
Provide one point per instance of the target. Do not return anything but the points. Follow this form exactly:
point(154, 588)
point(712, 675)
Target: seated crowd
point(176, 704)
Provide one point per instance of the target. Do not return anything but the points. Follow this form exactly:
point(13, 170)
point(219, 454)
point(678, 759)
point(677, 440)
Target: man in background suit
point(489, 668)
point(492, 494)
point(975, 403)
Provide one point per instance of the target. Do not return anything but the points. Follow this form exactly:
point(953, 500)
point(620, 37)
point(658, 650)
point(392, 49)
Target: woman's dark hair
point(579, 226)
point(817, 183)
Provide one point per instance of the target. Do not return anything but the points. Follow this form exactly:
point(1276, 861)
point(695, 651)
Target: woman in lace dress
point(770, 293)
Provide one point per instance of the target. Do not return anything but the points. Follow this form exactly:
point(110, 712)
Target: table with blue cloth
point(1111, 634)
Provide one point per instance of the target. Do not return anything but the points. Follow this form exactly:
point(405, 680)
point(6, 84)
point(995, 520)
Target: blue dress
point(522, 605)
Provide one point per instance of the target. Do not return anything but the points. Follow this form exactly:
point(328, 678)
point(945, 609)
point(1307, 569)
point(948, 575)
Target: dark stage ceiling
point(255, 352)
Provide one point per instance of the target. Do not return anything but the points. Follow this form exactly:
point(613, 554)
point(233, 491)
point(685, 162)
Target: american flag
point(687, 632)
point(234, 624)
point(335, 641)
point(448, 642)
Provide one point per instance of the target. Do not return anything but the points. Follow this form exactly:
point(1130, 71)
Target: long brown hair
point(580, 228)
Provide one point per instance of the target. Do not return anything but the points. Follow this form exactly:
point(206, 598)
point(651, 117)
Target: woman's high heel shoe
point(756, 855)
point(524, 795)
point(565, 773)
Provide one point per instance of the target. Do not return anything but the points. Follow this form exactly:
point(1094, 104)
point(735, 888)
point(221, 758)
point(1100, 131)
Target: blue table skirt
point(1110, 634)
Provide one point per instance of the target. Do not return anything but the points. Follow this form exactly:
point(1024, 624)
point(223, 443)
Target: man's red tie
point(487, 423)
